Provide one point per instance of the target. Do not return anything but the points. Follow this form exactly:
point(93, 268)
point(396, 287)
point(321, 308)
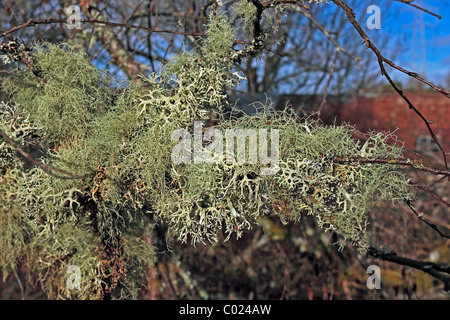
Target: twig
point(351, 17)
point(32, 22)
point(433, 269)
point(327, 34)
point(168, 281)
point(409, 2)
point(20, 285)
point(431, 225)
point(20, 52)
point(412, 163)
point(436, 182)
point(136, 8)
point(437, 221)
point(330, 76)
point(431, 193)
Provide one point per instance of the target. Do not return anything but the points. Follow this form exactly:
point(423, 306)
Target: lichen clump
point(209, 197)
point(121, 140)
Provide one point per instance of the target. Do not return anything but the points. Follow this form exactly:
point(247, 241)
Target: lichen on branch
point(120, 140)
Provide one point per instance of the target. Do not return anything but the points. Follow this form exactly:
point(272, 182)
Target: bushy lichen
point(122, 141)
point(14, 229)
point(209, 197)
point(50, 223)
point(73, 94)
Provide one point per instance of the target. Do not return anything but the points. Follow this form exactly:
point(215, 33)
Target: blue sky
point(404, 21)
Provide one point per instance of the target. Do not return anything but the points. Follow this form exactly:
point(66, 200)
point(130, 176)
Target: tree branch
point(32, 22)
point(20, 52)
point(433, 269)
point(431, 225)
point(409, 2)
point(431, 193)
point(308, 15)
point(351, 17)
point(330, 76)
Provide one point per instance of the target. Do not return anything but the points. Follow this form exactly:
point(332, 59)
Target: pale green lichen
point(123, 141)
point(234, 197)
point(74, 92)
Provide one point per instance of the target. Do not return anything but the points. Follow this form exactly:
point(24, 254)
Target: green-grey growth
point(122, 139)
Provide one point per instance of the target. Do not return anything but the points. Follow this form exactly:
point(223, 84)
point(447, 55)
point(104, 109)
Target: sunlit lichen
point(122, 140)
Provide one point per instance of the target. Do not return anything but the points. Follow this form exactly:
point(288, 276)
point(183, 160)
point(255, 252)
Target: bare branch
point(330, 76)
point(431, 193)
point(431, 225)
point(327, 34)
point(433, 269)
point(351, 17)
point(410, 2)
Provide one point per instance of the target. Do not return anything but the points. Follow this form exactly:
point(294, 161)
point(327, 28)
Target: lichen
point(235, 197)
point(122, 140)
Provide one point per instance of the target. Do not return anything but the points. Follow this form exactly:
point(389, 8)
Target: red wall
point(389, 111)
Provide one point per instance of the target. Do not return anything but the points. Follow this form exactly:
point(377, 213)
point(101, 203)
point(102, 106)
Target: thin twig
point(32, 22)
point(136, 8)
point(417, 164)
point(19, 52)
point(436, 182)
point(330, 76)
point(308, 15)
point(431, 193)
point(351, 17)
point(409, 2)
point(431, 225)
point(20, 285)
